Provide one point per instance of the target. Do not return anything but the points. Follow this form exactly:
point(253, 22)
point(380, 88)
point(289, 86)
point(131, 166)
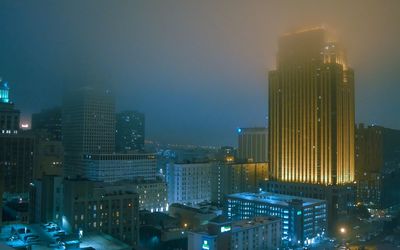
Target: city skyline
point(208, 74)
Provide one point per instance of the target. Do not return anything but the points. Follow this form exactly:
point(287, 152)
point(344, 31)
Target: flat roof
point(273, 198)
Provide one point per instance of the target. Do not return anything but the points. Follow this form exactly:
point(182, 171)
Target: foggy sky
point(197, 69)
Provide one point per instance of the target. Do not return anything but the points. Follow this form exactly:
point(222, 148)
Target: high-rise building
point(16, 149)
point(88, 126)
point(253, 144)
point(311, 111)
point(377, 161)
point(48, 120)
point(130, 131)
point(311, 121)
point(303, 219)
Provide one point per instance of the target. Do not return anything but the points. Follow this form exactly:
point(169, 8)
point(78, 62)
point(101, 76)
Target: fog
point(197, 69)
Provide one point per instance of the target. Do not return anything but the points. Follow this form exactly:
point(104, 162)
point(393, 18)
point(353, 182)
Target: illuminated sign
point(205, 245)
point(225, 229)
point(298, 212)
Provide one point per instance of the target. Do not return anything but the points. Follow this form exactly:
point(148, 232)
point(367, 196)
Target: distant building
point(253, 144)
point(259, 233)
point(88, 126)
point(116, 167)
point(130, 132)
point(303, 219)
point(49, 120)
point(230, 177)
point(226, 154)
point(92, 206)
point(377, 165)
point(189, 183)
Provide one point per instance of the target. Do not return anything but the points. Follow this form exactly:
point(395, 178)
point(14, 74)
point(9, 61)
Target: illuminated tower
point(311, 111)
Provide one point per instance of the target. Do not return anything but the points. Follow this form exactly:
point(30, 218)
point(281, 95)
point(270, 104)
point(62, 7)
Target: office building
point(88, 126)
point(130, 132)
point(115, 167)
point(48, 120)
point(230, 177)
point(189, 183)
point(303, 219)
point(94, 206)
point(311, 111)
point(253, 144)
point(258, 233)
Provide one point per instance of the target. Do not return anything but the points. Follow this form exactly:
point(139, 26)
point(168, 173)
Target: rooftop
point(272, 198)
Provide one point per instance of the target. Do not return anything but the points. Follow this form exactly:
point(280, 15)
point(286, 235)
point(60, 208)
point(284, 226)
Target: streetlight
point(342, 230)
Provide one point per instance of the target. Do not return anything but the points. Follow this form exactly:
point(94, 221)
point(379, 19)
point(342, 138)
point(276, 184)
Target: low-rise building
point(303, 219)
point(95, 206)
point(258, 233)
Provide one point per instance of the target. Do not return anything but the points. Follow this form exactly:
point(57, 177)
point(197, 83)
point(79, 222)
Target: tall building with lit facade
point(311, 121)
point(311, 111)
point(253, 144)
point(88, 126)
point(130, 131)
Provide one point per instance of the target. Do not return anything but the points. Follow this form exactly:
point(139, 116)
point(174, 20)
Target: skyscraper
point(88, 126)
point(129, 134)
point(253, 144)
point(311, 111)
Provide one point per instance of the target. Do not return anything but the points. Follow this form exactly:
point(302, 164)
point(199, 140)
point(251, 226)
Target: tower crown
point(4, 90)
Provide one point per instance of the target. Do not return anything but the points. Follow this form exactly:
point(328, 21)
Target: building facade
point(130, 131)
point(92, 206)
point(115, 167)
point(189, 183)
point(259, 233)
point(88, 126)
point(303, 219)
point(230, 177)
point(311, 111)
point(253, 144)
point(49, 120)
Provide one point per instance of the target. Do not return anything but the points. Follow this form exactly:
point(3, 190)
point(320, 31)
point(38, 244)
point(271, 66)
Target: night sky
point(197, 69)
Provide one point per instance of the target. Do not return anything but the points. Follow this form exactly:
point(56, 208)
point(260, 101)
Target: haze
point(197, 69)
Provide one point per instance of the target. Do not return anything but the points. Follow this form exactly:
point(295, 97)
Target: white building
point(189, 183)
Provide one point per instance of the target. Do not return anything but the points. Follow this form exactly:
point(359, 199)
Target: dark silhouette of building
point(130, 131)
